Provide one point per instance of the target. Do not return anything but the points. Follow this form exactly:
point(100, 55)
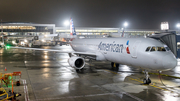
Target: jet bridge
point(168, 38)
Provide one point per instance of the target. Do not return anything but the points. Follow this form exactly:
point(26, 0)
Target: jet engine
point(76, 62)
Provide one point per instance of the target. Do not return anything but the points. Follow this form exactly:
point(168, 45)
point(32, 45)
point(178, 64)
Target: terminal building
point(31, 29)
point(11, 31)
point(22, 29)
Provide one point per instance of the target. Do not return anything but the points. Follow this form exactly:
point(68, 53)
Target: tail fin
point(72, 28)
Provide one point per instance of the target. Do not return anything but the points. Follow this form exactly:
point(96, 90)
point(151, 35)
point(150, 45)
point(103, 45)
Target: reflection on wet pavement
point(50, 77)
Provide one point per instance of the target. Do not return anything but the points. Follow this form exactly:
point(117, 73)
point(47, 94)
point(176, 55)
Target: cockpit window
point(167, 48)
point(156, 48)
point(161, 49)
point(153, 49)
point(147, 49)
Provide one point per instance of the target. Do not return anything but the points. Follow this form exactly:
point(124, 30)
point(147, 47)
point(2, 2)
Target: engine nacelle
point(76, 62)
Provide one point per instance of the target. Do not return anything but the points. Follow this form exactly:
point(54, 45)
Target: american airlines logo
point(111, 47)
point(127, 47)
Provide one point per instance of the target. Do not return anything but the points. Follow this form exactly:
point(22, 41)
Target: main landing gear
point(80, 70)
point(114, 66)
point(92, 68)
point(146, 80)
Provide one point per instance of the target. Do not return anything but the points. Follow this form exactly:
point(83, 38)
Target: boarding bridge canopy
point(168, 38)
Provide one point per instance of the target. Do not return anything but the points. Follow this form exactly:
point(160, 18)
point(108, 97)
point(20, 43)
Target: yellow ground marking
point(152, 84)
point(166, 75)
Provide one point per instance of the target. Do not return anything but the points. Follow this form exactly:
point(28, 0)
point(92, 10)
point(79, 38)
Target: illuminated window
point(153, 49)
point(94, 30)
point(161, 49)
point(89, 30)
point(148, 49)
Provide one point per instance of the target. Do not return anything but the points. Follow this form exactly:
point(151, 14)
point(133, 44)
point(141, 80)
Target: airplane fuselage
point(129, 51)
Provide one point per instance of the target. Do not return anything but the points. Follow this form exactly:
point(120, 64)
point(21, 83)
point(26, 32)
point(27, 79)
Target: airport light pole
point(125, 25)
point(122, 32)
point(66, 24)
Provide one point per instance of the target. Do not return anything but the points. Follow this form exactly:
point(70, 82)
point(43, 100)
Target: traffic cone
point(5, 69)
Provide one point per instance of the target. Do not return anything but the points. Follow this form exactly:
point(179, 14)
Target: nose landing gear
point(114, 66)
point(146, 80)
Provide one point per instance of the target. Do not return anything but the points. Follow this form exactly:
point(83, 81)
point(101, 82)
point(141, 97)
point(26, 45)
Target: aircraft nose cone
point(169, 62)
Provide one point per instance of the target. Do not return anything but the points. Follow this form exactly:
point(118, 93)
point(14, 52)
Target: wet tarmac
point(46, 76)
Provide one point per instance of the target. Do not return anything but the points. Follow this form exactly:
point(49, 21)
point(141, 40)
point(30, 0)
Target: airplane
point(144, 53)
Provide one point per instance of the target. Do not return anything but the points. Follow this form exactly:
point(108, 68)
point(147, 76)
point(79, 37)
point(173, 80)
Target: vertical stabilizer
point(72, 28)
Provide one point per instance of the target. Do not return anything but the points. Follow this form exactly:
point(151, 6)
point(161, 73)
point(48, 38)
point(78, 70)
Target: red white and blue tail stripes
point(127, 47)
point(72, 28)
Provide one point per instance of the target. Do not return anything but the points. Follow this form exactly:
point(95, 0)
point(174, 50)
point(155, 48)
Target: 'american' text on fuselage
point(111, 47)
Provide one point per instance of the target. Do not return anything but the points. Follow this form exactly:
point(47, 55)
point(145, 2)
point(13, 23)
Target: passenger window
point(147, 49)
point(153, 49)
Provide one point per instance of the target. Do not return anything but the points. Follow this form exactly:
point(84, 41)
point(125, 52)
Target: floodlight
point(178, 25)
point(125, 24)
point(25, 40)
point(164, 26)
point(22, 43)
point(66, 23)
point(13, 42)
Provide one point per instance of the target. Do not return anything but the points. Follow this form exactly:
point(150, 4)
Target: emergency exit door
point(135, 48)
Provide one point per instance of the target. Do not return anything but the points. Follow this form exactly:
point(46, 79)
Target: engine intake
point(76, 62)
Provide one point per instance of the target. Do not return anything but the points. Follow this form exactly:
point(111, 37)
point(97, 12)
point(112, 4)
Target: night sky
point(140, 14)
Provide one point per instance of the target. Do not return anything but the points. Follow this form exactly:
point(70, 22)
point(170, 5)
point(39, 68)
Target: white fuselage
point(128, 51)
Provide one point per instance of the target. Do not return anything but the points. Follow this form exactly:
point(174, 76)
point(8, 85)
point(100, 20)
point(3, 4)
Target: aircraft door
point(135, 48)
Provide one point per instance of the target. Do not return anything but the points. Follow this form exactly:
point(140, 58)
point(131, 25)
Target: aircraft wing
point(61, 51)
point(54, 50)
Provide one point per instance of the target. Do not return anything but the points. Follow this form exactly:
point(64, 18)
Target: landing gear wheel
point(148, 81)
point(77, 70)
point(80, 70)
point(18, 83)
point(114, 66)
point(117, 67)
